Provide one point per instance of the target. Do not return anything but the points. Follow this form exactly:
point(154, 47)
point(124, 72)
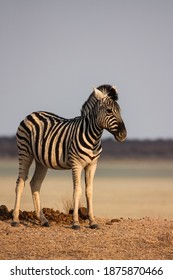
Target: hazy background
point(52, 52)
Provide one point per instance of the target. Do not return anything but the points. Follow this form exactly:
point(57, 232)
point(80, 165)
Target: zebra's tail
point(24, 145)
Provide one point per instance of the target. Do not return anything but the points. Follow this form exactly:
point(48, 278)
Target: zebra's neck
point(89, 105)
point(92, 129)
point(89, 115)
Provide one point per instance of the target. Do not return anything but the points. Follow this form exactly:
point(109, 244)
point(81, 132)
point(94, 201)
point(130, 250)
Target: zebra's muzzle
point(120, 137)
point(121, 133)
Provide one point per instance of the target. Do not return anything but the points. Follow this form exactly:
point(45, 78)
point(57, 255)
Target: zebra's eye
point(108, 111)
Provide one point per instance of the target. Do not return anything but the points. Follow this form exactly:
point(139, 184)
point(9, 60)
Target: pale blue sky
point(52, 52)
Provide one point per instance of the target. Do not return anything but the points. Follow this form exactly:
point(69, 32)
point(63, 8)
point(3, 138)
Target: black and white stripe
point(59, 143)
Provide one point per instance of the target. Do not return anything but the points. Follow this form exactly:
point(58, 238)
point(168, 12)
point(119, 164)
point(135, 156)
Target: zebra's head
point(108, 111)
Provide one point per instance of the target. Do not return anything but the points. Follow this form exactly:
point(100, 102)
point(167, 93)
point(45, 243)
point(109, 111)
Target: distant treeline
point(138, 149)
point(111, 149)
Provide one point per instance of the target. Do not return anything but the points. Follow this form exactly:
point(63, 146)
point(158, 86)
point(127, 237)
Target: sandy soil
point(121, 239)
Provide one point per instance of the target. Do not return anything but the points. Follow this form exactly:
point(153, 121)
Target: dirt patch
point(118, 238)
point(53, 216)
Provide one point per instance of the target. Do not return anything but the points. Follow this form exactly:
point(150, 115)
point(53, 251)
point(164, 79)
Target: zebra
point(59, 143)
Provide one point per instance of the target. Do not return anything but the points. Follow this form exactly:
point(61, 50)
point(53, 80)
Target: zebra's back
point(54, 141)
point(42, 135)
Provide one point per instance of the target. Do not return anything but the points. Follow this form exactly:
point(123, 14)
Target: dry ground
point(115, 239)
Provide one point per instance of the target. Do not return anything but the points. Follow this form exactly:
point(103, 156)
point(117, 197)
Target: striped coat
point(59, 143)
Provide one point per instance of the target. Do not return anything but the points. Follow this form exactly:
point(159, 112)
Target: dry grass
point(67, 205)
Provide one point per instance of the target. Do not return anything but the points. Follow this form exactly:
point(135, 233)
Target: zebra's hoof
point(76, 227)
point(94, 226)
point(14, 224)
point(46, 224)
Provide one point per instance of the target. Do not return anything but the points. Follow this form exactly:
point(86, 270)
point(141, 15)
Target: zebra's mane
point(89, 105)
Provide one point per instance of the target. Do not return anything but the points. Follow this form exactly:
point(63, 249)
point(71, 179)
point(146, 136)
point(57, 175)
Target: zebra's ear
point(98, 94)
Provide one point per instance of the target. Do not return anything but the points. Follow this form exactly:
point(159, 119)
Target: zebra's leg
point(89, 176)
point(76, 173)
point(36, 181)
point(20, 183)
point(24, 165)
